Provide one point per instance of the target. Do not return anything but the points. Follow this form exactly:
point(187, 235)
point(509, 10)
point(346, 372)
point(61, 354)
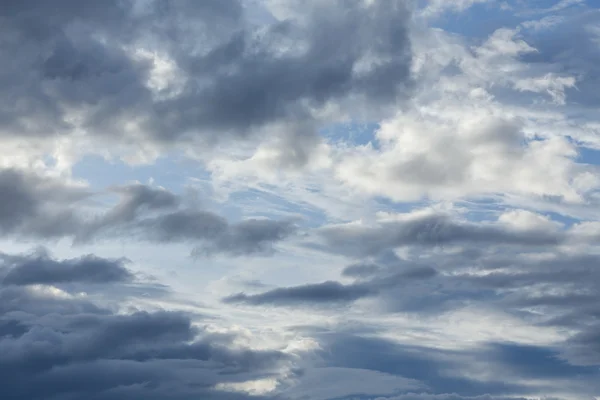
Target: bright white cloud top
point(316, 200)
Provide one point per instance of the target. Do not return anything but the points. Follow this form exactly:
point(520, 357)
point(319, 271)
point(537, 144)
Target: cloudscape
point(300, 199)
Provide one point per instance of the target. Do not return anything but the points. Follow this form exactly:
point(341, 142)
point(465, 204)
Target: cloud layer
point(299, 200)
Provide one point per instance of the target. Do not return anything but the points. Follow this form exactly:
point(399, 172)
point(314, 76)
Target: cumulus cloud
point(134, 72)
point(485, 120)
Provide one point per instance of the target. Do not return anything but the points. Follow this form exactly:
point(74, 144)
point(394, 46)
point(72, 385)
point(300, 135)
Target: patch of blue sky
point(566, 220)
point(479, 21)
point(353, 132)
point(385, 204)
point(588, 156)
point(169, 172)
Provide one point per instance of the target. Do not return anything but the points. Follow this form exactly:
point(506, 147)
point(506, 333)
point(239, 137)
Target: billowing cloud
point(136, 72)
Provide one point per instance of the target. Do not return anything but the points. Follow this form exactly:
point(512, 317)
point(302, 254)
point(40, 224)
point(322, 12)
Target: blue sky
point(300, 200)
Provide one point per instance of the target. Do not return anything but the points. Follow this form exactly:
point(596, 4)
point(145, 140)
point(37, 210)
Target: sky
point(300, 200)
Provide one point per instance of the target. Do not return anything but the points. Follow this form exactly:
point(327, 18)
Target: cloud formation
point(42, 269)
point(435, 229)
point(132, 71)
point(56, 345)
point(50, 208)
point(424, 184)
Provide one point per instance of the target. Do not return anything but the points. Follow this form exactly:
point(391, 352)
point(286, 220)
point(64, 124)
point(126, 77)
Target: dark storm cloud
point(80, 56)
point(41, 269)
point(61, 347)
point(430, 230)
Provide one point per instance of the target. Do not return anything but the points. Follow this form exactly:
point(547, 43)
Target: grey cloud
point(215, 234)
point(432, 230)
point(560, 282)
point(71, 56)
point(183, 225)
point(583, 348)
point(332, 292)
point(336, 36)
point(428, 396)
point(427, 365)
point(513, 370)
point(35, 205)
point(157, 215)
point(137, 196)
point(41, 269)
point(135, 200)
point(326, 292)
point(250, 236)
point(408, 274)
point(544, 287)
point(361, 270)
point(68, 348)
point(48, 208)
